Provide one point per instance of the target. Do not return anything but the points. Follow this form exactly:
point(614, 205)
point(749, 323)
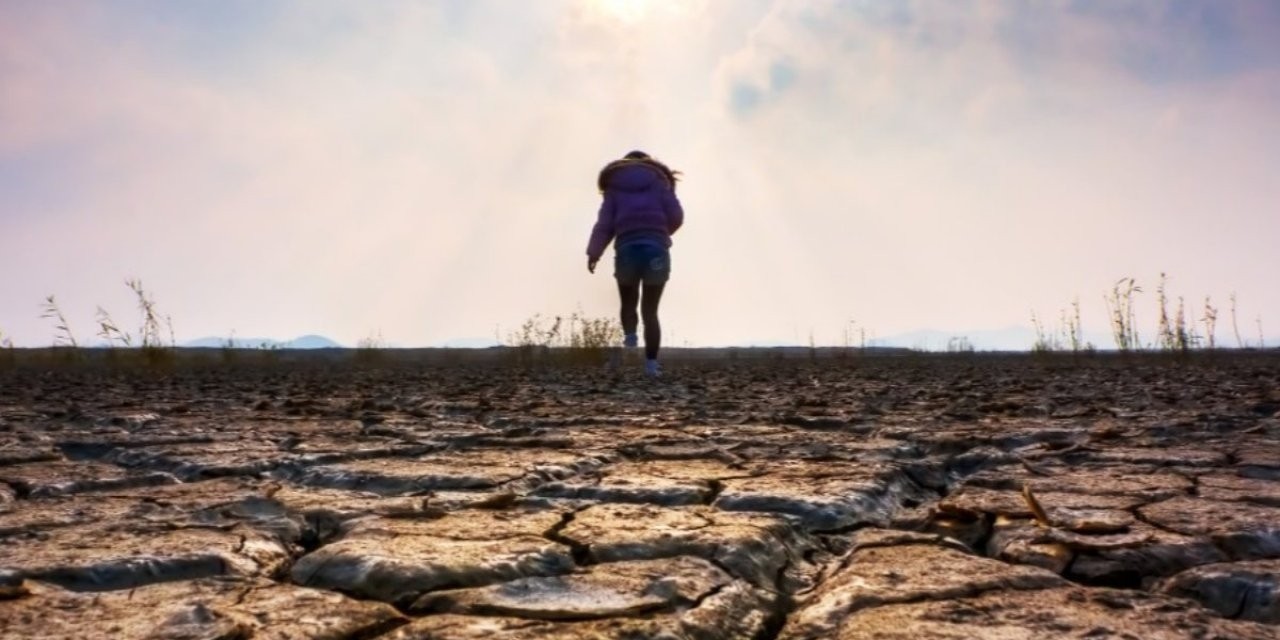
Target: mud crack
point(581, 553)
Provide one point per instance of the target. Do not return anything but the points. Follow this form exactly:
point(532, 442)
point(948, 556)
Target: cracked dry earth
point(882, 497)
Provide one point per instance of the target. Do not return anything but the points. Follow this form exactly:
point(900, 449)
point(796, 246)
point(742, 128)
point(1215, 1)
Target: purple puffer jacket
point(639, 203)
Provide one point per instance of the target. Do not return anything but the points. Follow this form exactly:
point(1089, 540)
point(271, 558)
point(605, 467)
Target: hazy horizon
point(426, 171)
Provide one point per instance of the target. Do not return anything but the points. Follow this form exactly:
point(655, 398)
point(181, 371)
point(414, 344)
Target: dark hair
point(636, 157)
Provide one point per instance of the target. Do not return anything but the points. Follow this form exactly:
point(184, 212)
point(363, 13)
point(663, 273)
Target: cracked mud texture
point(879, 496)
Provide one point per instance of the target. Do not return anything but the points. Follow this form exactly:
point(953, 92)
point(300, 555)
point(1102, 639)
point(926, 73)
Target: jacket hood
point(630, 176)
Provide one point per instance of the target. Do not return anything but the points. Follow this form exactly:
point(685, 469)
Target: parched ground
point(874, 497)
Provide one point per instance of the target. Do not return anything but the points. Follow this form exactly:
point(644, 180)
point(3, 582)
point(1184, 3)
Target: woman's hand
point(591, 264)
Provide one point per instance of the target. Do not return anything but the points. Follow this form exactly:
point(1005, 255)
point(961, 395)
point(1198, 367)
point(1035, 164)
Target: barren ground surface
point(878, 497)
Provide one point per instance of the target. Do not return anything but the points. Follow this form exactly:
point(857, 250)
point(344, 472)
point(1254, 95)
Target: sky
point(424, 172)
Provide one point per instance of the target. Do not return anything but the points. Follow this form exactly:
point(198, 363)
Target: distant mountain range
point(1015, 338)
point(301, 342)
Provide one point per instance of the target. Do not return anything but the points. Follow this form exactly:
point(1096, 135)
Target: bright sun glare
point(624, 10)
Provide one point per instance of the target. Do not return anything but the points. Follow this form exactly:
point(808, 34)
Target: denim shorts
point(642, 262)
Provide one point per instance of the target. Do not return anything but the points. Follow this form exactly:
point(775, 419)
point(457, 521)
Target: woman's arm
point(675, 212)
point(602, 232)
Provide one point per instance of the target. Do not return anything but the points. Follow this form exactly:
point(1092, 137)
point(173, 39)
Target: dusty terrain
point(877, 497)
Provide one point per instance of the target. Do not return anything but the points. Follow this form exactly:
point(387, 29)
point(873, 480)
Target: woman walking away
point(640, 211)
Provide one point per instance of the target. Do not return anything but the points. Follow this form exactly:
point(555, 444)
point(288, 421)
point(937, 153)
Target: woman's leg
point(630, 296)
point(649, 310)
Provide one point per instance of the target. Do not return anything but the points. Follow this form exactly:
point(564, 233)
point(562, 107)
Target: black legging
point(630, 294)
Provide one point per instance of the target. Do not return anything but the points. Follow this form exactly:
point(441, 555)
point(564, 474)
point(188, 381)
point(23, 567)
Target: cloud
point(993, 153)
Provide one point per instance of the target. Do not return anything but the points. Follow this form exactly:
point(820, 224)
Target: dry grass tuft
point(62, 336)
point(371, 349)
point(1124, 327)
point(576, 339)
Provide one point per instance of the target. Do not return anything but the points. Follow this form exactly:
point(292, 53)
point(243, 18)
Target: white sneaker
point(652, 369)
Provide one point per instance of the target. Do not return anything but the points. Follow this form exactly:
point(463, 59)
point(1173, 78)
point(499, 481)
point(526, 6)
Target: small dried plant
point(1071, 326)
point(581, 338)
point(1166, 338)
point(228, 348)
point(371, 348)
point(1124, 328)
point(268, 352)
point(1045, 341)
point(1175, 334)
point(109, 331)
point(1184, 337)
point(592, 333)
point(537, 331)
point(849, 334)
point(153, 347)
point(1235, 328)
point(62, 336)
point(150, 329)
point(1069, 334)
point(1210, 320)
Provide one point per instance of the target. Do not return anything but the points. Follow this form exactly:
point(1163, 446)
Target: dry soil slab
point(673, 597)
point(229, 458)
point(1110, 524)
point(229, 526)
point(198, 609)
point(1248, 590)
point(1242, 531)
point(824, 495)
point(1141, 482)
point(14, 451)
point(483, 469)
point(721, 617)
point(63, 477)
point(105, 556)
point(662, 482)
point(398, 560)
point(1261, 460)
point(877, 575)
point(1049, 613)
point(929, 591)
point(1236, 488)
point(758, 548)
